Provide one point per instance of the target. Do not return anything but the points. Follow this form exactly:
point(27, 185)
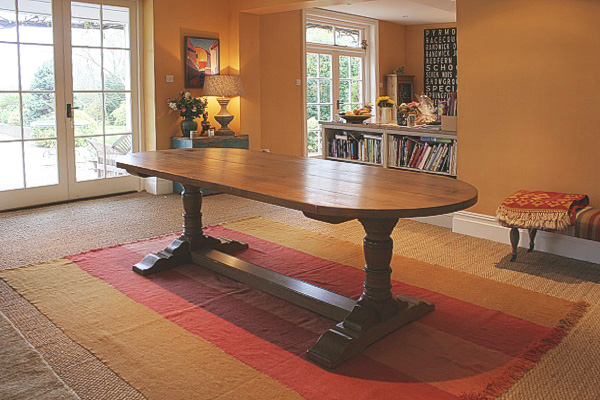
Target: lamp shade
point(222, 86)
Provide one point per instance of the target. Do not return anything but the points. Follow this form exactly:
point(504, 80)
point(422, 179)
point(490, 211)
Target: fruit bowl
point(355, 119)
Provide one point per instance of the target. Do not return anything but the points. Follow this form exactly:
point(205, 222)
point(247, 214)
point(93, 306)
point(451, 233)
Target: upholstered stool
point(547, 211)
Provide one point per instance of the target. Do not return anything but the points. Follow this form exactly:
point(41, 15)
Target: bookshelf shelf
point(354, 161)
point(423, 171)
point(428, 150)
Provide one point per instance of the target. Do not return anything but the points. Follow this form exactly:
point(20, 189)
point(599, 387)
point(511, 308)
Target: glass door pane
point(319, 97)
point(350, 83)
point(102, 90)
point(28, 124)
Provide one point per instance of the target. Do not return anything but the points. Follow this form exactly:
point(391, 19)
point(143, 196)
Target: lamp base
point(224, 132)
point(224, 118)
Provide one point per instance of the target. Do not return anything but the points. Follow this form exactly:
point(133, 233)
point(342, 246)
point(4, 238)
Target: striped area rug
point(188, 333)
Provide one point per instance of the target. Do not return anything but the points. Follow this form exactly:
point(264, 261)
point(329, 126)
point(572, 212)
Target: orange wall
point(392, 50)
point(528, 89)
point(250, 72)
point(271, 110)
point(415, 52)
point(282, 101)
point(204, 18)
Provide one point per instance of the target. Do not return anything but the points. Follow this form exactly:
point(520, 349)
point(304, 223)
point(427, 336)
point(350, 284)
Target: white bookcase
point(423, 150)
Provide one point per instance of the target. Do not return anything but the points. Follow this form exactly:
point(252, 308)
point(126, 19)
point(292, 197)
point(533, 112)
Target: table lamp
point(224, 86)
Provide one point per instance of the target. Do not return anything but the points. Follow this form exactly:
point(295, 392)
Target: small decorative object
point(201, 59)
point(189, 107)
point(410, 111)
point(399, 70)
point(211, 132)
point(426, 111)
point(193, 134)
point(224, 86)
point(385, 110)
point(358, 115)
point(205, 124)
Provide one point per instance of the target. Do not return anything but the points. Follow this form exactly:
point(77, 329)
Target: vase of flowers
point(385, 110)
point(189, 107)
point(410, 112)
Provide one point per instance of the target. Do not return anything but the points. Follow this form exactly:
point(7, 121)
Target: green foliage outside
point(40, 107)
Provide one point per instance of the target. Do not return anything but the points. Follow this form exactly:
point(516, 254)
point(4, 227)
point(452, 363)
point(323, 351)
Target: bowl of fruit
point(358, 116)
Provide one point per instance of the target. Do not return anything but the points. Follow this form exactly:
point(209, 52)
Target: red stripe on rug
point(244, 322)
point(486, 327)
point(312, 382)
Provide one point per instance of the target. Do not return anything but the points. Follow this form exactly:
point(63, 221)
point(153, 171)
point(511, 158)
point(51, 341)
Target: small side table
point(203, 142)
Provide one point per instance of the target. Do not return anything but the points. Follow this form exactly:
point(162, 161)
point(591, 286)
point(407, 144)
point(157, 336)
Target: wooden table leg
point(377, 312)
point(192, 238)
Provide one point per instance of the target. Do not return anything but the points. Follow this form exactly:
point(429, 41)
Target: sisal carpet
point(187, 333)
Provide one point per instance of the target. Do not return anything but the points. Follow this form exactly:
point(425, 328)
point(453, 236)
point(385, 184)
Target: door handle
point(70, 109)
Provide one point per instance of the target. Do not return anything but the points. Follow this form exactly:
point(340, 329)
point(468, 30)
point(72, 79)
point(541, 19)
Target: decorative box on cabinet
point(400, 87)
point(203, 142)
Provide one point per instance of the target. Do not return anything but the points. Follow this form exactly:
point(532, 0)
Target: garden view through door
point(67, 99)
point(335, 77)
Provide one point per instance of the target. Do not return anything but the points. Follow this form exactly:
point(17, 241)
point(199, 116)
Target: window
point(332, 35)
point(338, 74)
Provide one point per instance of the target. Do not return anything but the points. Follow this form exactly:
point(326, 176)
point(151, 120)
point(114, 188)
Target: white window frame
point(369, 30)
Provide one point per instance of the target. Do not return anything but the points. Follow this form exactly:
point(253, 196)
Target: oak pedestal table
point(324, 190)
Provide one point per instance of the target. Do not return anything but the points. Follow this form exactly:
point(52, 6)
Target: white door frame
point(370, 30)
point(113, 185)
point(67, 188)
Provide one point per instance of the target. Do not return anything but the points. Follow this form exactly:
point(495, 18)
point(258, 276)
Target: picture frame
point(202, 57)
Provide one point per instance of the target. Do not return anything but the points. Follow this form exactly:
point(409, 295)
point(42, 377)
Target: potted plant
point(410, 112)
point(189, 107)
point(385, 109)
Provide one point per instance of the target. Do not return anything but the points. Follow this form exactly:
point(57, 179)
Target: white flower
point(173, 106)
point(188, 95)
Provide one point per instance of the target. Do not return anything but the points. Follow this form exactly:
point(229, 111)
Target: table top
point(315, 186)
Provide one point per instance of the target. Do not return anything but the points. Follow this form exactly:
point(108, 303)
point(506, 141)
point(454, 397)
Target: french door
point(335, 83)
point(68, 99)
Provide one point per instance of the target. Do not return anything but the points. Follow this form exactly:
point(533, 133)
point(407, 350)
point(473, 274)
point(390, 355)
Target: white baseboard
point(444, 220)
point(486, 227)
point(157, 186)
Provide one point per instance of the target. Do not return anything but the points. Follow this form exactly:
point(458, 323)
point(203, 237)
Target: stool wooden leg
point(532, 233)
point(514, 241)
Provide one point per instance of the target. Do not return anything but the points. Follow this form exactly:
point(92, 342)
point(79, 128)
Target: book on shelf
point(424, 153)
point(364, 148)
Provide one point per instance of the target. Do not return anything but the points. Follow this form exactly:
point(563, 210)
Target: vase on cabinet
point(385, 115)
point(187, 125)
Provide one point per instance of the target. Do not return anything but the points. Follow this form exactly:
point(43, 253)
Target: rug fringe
point(527, 360)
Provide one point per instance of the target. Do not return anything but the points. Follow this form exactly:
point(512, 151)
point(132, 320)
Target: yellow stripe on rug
point(158, 357)
point(541, 309)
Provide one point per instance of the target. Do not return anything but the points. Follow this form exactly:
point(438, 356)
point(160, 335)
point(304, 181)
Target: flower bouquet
point(189, 107)
point(385, 110)
point(410, 111)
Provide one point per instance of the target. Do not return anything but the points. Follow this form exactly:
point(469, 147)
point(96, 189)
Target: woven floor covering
point(188, 333)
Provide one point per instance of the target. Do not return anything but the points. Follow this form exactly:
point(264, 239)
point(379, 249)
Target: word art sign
point(440, 63)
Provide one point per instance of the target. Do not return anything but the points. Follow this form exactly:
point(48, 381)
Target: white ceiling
point(405, 12)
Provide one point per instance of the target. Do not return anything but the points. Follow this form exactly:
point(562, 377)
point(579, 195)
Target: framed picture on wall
point(201, 59)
